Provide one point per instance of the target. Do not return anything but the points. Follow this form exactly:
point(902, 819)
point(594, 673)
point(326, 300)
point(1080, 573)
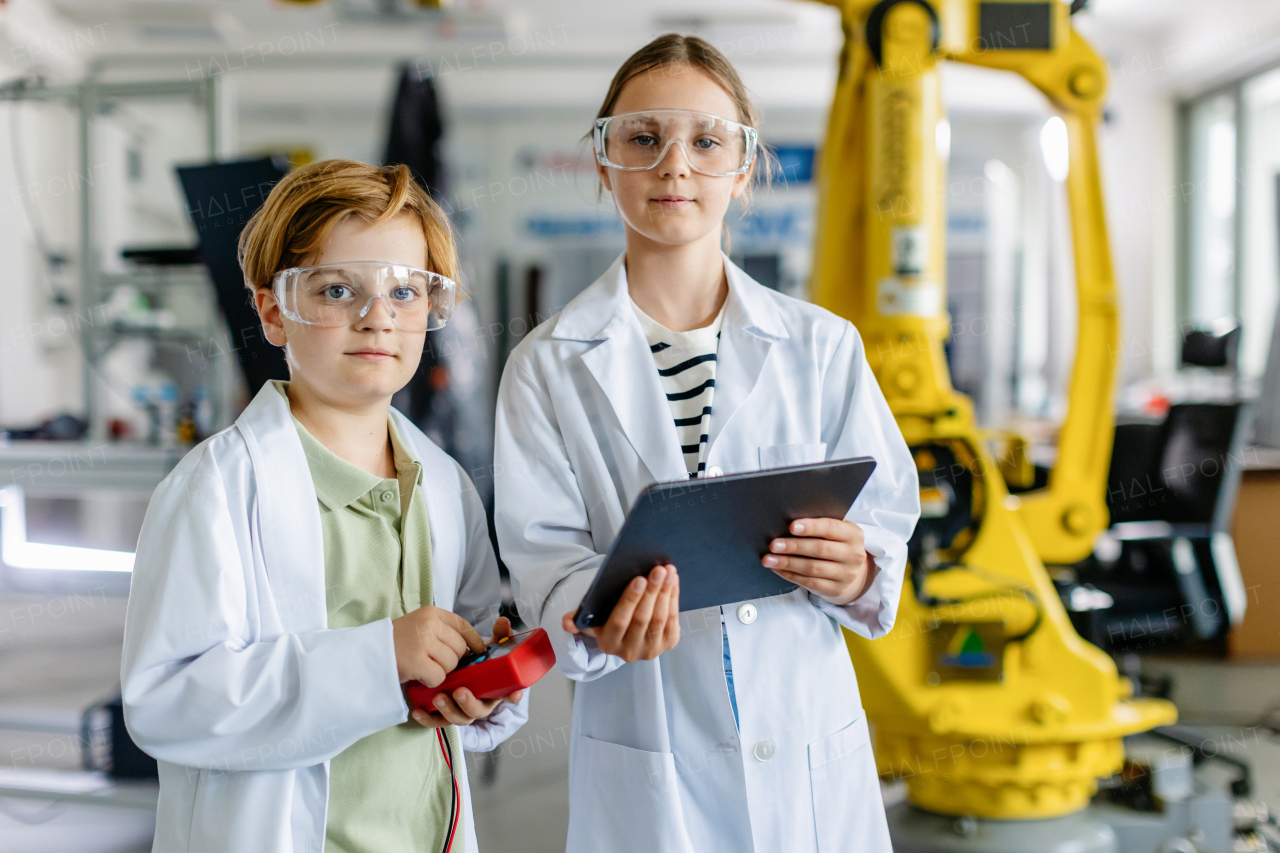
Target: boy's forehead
point(398, 241)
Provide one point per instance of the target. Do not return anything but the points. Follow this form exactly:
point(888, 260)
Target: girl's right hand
point(644, 623)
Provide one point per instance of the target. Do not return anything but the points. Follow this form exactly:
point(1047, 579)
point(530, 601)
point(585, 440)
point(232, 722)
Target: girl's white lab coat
point(656, 762)
point(231, 677)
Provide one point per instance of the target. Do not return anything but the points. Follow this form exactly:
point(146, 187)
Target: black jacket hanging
point(416, 130)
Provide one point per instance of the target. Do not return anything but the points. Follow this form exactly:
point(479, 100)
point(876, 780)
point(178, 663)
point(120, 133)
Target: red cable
point(455, 805)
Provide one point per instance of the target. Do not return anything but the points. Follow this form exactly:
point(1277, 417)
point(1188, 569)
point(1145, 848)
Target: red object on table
point(505, 667)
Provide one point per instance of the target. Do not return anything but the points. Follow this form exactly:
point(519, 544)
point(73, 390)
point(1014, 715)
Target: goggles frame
point(282, 279)
point(750, 135)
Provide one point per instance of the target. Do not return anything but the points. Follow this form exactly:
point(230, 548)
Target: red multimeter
point(512, 663)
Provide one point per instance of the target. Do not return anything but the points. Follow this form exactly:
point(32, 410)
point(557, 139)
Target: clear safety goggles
point(334, 295)
point(711, 145)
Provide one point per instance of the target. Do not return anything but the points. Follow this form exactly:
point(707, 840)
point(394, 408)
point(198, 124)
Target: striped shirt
point(687, 367)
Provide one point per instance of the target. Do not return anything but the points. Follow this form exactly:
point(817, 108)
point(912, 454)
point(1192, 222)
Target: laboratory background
point(1056, 226)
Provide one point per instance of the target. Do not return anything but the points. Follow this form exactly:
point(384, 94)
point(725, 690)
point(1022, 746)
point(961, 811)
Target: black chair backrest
point(1182, 471)
point(220, 199)
point(1205, 348)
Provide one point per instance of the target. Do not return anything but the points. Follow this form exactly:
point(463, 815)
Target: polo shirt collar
point(342, 483)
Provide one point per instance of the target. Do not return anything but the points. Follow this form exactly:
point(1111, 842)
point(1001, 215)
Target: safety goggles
point(333, 295)
point(711, 145)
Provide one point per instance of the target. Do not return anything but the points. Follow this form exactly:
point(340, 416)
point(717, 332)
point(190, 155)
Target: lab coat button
point(388, 495)
point(746, 613)
point(715, 471)
point(763, 750)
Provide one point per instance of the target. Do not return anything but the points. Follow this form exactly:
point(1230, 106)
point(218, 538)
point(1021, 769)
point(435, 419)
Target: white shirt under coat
point(231, 677)
point(656, 762)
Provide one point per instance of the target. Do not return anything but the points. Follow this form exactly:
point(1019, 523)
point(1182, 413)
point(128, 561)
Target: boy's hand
point(646, 620)
point(463, 708)
point(429, 643)
point(826, 557)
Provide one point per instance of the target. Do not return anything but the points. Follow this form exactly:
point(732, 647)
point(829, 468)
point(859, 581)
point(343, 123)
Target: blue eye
point(644, 140)
point(404, 293)
point(709, 143)
point(337, 292)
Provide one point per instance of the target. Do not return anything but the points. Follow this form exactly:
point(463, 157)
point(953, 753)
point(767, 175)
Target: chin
point(370, 386)
point(673, 229)
point(682, 236)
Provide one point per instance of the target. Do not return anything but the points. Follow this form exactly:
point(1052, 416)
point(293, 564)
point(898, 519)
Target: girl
point(296, 568)
point(735, 728)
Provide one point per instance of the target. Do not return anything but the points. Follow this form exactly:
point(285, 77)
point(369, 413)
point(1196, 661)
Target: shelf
point(77, 786)
point(67, 468)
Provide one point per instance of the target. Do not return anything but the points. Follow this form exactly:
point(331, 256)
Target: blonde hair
point(302, 210)
point(672, 52)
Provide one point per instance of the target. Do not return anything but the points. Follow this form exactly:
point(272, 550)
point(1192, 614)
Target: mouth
point(372, 354)
point(672, 202)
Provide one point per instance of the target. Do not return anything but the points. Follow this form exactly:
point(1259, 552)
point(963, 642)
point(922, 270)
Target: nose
point(675, 160)
point(376, 316)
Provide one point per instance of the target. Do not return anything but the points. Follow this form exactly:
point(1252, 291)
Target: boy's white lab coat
point(231, 677)
point(656, 763)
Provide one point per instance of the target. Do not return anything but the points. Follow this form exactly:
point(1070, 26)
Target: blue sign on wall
point(551, 227)
point(795, 163)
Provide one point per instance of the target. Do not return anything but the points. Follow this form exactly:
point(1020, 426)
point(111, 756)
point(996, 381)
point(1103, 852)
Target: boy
point(295, 569)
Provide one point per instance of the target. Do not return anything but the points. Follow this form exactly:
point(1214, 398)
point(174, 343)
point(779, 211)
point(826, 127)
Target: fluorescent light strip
point(18, 553)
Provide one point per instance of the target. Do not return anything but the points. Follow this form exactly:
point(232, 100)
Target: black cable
point(1003, 584)
point(447, 751)
point(1185, 735)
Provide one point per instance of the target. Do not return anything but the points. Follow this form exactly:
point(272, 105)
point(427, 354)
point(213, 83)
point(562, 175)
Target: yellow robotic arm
point(985, 700)
point(1065, 519)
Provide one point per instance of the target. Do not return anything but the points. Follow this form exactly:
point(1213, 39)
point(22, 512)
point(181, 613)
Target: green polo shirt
point(389, 791)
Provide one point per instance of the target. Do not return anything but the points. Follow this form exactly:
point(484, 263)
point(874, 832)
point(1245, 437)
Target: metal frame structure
point(89, 98)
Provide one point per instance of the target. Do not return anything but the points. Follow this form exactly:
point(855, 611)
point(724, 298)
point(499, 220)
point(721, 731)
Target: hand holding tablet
point(825, 556)
point(646, 620)
point(719, 532)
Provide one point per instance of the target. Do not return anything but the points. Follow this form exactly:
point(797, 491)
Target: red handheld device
point(513, 663)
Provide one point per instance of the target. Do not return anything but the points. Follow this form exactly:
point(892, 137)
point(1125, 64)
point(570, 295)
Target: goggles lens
point(712, 145)
point(334, 295)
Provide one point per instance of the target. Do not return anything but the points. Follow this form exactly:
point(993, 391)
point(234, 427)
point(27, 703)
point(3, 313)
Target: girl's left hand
point(826, 557)
point(463, 708)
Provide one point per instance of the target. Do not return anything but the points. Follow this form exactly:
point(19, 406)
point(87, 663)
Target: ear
point(271, 315)
point(741, 182)
point(603, 173)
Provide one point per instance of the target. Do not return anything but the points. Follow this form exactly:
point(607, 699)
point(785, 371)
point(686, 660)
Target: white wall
point(554, 59)
point(40, 358)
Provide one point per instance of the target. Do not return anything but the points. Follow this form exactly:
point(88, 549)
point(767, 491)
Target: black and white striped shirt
point(687, 367)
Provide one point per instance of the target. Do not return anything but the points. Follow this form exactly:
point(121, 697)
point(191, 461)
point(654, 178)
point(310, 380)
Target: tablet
point(716, 530)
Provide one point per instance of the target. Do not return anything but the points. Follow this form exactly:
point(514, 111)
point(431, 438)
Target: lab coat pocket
point(782, 455)
point(847, 807)
point(624, 800)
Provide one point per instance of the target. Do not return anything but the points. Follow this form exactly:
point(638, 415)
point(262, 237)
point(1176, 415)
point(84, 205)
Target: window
point(1259, 229)
point(1231, 189)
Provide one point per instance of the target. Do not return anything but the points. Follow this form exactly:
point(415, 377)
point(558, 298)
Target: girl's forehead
point(676, 87)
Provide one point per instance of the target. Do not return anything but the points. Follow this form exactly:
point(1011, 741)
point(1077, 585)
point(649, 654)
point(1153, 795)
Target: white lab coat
point(656, 762)
point(231, 677)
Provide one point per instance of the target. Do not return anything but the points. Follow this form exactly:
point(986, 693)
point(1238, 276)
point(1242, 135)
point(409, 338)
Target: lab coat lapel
point(750, 328)
point(288, 513)
point(624, 370)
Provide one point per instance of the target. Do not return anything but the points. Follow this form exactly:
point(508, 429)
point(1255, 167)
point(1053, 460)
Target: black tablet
point(715, 531)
